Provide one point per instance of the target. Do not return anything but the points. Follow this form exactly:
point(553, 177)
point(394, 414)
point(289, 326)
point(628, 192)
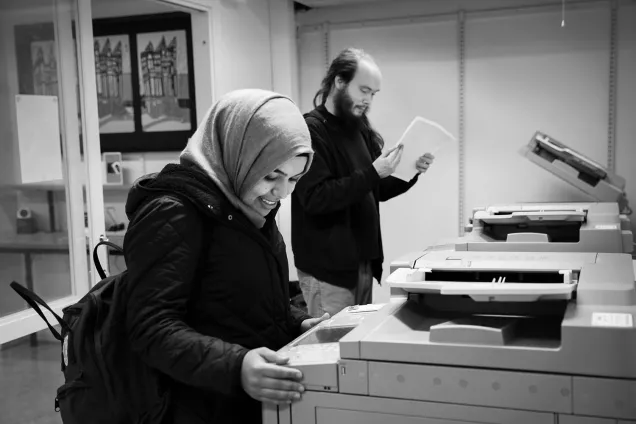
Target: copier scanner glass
point(325, 335)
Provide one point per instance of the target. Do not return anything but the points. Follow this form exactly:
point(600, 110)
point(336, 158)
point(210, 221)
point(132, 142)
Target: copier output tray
point(488, 286)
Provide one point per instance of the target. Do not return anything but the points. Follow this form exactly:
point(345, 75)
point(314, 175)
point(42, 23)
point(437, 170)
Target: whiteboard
point(39, 140)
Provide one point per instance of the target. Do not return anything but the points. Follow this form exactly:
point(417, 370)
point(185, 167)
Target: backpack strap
point(33, 300)
point(98, 264)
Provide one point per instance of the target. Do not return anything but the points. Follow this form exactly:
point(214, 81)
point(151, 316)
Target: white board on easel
point(38, 122)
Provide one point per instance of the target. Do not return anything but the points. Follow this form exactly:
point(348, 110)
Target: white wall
point(626, 103)
point(524, 72)
point(242, 47)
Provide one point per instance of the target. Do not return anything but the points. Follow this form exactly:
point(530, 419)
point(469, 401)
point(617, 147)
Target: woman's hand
point(265, 379)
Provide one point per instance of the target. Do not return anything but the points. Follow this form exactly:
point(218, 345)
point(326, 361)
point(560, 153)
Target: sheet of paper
point(39, 138)
point(420, 137)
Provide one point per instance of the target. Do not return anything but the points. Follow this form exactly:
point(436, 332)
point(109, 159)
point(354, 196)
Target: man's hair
point(345, 66)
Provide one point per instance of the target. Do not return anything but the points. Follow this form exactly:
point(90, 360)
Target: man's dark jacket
point(206, 287)
point(329, 228)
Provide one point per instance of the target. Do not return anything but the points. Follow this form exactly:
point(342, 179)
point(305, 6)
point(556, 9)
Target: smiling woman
point(276, 186)
point(196, 312)
point(247, 144)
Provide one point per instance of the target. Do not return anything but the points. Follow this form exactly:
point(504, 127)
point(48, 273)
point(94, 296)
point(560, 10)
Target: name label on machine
point(605, 319)
point(606, 227)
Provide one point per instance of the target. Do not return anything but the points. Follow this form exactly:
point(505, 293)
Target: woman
point(209, 301)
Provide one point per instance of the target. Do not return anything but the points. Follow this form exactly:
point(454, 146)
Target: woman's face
point(267, 192)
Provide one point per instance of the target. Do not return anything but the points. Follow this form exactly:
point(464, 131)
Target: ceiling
point(326, 3)
point(24, 4)
point(300, 4)
point(40, 4)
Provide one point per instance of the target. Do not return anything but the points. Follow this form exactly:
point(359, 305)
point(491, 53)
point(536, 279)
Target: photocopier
point(477, 337)
point(484, 332)
point(548, 227)
point(601, 225)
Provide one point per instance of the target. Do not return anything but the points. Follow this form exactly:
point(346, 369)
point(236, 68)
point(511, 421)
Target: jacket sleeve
point(391, 187)
point(320, 192)
point(162, 251)
point(297, 316)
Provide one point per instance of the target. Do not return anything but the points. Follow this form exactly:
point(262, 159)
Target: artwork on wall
point(143, 74)
point(163, 81)
point(147, 84)
point(113, 78)
point(36, 58)
point(44, 68)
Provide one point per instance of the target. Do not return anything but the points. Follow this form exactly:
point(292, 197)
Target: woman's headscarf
point(245, 136)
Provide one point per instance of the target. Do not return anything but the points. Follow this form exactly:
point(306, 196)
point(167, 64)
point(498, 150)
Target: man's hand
point(265, 379)
point(312, 322)
point(387, 162)
point(423, 162)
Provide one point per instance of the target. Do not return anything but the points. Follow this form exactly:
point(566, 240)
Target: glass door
point(51, 206)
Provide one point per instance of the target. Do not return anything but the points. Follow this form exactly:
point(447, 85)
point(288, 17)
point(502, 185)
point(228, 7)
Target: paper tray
point(485, 292)
point(522, 217)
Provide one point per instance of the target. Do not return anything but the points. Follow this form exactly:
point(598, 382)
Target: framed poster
point(113, 78)
point(143, 73)
point(145, 82)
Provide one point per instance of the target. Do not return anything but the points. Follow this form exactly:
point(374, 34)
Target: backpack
point(105, 382)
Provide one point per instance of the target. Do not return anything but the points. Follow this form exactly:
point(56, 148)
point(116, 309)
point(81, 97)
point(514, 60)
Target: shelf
point(47, 242)
point(57, 185)
point(37, 241)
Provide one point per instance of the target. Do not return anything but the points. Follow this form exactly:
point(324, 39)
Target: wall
point(626, 103)
point(523, 72)
point(242, 47)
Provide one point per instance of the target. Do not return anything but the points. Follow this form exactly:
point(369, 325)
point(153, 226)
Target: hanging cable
point(562, 13)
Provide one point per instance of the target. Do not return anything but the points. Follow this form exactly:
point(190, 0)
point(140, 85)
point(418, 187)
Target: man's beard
point(343, 105)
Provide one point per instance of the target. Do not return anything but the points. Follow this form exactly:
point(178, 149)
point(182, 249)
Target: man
point(336, 236)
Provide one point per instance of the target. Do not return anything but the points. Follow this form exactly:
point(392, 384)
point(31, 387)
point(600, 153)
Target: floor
point(29, 378)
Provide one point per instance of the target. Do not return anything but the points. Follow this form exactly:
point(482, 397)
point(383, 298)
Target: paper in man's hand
point(420, 137)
